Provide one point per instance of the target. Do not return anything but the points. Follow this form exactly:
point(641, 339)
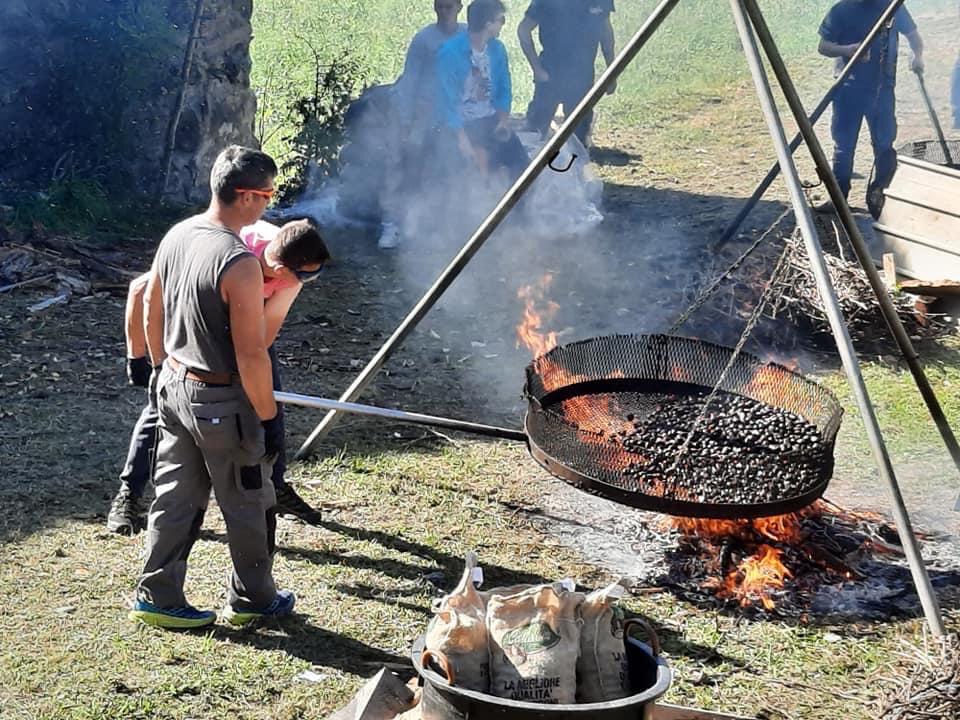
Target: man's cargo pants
point(209, 436)
point(138, 468)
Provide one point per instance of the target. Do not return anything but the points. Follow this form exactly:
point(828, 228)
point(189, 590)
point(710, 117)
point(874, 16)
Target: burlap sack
point(602, 665)
point(534, 643)
point(458, 630)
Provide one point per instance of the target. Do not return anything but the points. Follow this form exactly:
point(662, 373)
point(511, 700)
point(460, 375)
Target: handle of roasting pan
point(436, 657)
point(631, 623)
point(389, 414)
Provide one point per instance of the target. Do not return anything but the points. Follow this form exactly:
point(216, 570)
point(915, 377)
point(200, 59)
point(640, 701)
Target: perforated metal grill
point(931, 151)
point(585, 398)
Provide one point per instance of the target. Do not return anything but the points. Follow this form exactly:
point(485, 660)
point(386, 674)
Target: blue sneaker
point(281, 606)
point(181, 618)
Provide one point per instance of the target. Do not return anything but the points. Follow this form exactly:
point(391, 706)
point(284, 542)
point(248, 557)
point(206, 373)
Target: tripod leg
point(851, 366)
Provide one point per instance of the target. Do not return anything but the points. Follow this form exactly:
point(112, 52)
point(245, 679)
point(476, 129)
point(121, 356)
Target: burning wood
point(822, 561)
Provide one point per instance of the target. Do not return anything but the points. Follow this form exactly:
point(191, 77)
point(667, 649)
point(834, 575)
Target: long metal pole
point(493, 220)
point(814, 117)
point(409, 417)
point(934, 120)
point(853, 232)
point(928, 598)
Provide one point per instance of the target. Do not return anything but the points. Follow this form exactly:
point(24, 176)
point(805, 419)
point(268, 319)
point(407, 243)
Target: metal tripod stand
point(751, 27)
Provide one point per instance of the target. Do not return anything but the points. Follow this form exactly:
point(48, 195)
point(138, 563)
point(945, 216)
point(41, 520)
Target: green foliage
point(694, 53)
point(303, 85)
point(84, 206)
point(317, 118)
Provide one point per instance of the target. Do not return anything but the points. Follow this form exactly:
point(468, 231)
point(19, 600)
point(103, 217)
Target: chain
point(706, 294)
point(772, 283)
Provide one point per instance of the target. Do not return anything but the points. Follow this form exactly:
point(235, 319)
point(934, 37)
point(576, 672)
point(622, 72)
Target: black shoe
point(289, 503)
point(825, 208)
point(128, 513)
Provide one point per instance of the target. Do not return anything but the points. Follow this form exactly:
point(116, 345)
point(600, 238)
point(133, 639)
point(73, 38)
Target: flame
point(757, 578)
point(713, 529)
point(537, 310)
point(762, 573)
point(767, 385)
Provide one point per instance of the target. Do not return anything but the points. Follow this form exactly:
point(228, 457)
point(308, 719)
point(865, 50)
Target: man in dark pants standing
point(205, 325)
point(869, 92)
point(570, 33)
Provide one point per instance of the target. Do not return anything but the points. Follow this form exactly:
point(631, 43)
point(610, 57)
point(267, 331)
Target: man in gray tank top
point(205, 325)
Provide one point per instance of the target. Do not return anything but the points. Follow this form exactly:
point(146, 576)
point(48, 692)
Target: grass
point(695, 53)
point(70, 652)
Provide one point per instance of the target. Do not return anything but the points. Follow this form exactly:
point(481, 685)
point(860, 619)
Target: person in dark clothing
point(563, 72)
point(869, 92)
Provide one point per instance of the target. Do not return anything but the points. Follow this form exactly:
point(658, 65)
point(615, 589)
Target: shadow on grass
point(316, 645)
point(612, 156)
point(451, 566)
point(675, 644)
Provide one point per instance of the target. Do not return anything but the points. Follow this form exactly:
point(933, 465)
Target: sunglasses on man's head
point(306, 276)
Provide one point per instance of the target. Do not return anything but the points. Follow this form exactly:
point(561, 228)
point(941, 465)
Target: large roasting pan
point(643, 368)
point(640, 370)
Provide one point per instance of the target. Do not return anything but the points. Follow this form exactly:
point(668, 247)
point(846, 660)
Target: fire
point(767, 385)
point(757, 578)
point(537, 310)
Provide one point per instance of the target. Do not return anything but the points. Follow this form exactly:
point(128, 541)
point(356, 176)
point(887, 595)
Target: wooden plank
point(889, 271)
point(920, 258)
point(663, 711)
point(925, 222)
point(935, 288)
point(928, 188)
point(920, 221)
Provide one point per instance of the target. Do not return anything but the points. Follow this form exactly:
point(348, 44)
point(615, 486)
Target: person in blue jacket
point(869, 92)
point(475, 92)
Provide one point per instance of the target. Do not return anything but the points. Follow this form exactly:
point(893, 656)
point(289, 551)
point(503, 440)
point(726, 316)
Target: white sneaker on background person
point(389, 236)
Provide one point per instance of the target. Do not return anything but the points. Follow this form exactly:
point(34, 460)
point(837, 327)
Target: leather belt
point(199, 376)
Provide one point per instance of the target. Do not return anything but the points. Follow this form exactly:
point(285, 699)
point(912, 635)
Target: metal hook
point(573, 159)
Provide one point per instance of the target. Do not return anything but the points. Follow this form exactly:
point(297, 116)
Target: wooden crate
point(920, 220)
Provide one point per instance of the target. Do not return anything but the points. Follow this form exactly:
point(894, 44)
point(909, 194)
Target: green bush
point(315, 133)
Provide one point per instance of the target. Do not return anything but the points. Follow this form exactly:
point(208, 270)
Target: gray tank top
point(190, 262)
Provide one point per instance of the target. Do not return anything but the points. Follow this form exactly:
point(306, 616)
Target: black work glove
point(138, 371)
point(272, 438)
point(152, 386)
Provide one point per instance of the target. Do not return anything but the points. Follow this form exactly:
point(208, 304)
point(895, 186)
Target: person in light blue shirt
point(475, 92)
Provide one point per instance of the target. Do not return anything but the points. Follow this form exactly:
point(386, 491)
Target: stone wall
point(88, 89)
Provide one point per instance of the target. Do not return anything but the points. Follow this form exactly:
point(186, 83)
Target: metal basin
point(650, 677)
